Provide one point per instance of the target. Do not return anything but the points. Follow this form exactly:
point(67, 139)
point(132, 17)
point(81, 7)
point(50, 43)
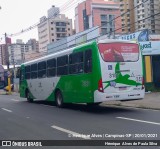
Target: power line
point(111, 21)
point(107, 33)
point(113, 30)
point(36, 24)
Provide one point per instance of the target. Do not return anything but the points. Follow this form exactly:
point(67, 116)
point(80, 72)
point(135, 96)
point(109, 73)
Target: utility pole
point(9, 75)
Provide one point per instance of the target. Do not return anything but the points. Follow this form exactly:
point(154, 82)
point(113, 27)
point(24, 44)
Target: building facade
point(128, 19)
point(34, 43)
point(101, 13)
point(17, 52)
point(53, 28)
point(3, 57)
point(146, 15)
point(4, 51)
point(143, 16)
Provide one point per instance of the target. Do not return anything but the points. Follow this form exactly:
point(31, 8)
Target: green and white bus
point(91, 73)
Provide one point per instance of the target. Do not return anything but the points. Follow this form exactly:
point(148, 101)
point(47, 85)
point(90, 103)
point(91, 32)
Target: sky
point(17, 15)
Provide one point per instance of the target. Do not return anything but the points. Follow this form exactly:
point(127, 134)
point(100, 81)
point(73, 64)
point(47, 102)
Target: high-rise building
point(17, 52)
point(3, 57)
point(34, 43)
point(53, 11)
point(4, 52)
point(53, 29)
point(128, 19)
point(101, 13)
point(145, 15)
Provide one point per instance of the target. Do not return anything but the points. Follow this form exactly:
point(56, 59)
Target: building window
point(85, 20)
point(52, 28)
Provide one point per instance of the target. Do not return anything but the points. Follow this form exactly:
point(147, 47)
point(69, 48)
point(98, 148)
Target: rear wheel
point(59, 99)
point(29, 99)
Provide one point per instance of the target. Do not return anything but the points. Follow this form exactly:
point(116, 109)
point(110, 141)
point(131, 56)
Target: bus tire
point(59, 99)
point(29, 99)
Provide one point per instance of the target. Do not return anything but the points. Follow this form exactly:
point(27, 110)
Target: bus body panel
point(120, 80)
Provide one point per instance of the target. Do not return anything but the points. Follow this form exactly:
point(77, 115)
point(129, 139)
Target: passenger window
point(33, 71)
point(42, 70)
point(51, 68)
point(76, 63)
point(88, 61)
point(27, 72)
point(62, 65)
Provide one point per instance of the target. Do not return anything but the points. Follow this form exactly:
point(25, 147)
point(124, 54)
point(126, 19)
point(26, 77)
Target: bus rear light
point(100, 85)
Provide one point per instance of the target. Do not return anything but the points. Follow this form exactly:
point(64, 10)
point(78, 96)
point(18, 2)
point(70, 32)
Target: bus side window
point(27, 72)
point(34, 73)
point(22, 74)
point(76, 63)
point(88, 61)
point(62, 65)
point(42, 69)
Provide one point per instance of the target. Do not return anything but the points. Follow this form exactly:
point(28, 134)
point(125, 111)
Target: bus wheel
point(29, 99)
point(59, 99)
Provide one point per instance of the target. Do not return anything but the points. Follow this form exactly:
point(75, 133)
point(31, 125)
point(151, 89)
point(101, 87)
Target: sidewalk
point(150, 101)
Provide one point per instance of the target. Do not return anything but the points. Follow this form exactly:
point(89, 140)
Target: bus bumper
point(102, 97)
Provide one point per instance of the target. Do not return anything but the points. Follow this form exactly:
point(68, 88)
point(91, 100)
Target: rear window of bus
point(119, 52)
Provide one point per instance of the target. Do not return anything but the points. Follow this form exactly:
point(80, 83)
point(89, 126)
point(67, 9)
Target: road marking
point(130, 119)
point(71, 133)
point(14, 100)
point(6, 110)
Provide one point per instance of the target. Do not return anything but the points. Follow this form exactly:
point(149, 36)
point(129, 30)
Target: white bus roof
point(115, 40)
point(70, 49)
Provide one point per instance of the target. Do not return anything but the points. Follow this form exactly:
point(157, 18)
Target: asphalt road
point(20, 120)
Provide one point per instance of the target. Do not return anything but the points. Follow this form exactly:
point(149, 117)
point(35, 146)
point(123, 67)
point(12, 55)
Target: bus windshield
point(119, 52)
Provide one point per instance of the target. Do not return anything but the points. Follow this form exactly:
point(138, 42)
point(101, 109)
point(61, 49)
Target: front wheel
point(29, 99)
point(59, 99)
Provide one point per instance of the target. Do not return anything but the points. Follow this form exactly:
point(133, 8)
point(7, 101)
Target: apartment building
point(34, 43)
point(4, 52)
point(3, 58)
point(101, 13)
point(17, 52)
point(53, 28)
point(143, 16)
point(146, 15)
point(128, 19)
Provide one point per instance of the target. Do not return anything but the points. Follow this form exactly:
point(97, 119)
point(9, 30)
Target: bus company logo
point(109, 67)
point(6, 143)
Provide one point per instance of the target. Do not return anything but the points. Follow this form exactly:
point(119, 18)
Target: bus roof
point(57, 53)
point(115, 40)
point(70, 49)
